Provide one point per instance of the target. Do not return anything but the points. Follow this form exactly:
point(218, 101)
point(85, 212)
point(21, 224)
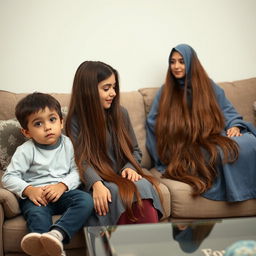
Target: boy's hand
point(233, 132)
point(131, 175)
point(101, 198)
point(36, 195)
point(53, 192)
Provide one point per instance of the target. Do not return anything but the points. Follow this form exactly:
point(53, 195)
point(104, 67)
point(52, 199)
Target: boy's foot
point(32, 245)
point(52, 244)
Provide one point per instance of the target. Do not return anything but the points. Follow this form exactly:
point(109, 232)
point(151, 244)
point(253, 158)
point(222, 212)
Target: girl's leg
point(149, 214)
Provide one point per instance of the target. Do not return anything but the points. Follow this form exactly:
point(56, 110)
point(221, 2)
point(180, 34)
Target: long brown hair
point(188, 129)
point(90, 143)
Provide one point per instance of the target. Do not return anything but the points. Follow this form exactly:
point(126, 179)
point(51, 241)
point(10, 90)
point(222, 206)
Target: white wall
point(42, 42)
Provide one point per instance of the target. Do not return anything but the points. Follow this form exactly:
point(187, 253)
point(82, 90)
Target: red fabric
point(149, 214)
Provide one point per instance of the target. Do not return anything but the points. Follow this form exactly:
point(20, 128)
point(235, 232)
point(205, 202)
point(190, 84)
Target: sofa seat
point(184, 205)
point(15, 228)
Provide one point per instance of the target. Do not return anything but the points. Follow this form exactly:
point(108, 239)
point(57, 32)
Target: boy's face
point(44, 127)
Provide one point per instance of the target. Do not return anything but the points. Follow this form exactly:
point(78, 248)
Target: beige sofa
point(178, 202)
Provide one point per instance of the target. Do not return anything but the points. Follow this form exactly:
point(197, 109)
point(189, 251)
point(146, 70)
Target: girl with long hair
point(195, 135)
point(106, 150)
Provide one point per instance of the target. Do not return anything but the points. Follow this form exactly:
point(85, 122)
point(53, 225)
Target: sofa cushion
point(14, 229)
point(9, 100)
point(7, 104)
point(242, 93)
point(134, 104)
point(148, 96)
point(184, 205)
point(10, 138)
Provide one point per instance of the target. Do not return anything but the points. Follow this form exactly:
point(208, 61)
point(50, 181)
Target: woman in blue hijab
point(195, 135)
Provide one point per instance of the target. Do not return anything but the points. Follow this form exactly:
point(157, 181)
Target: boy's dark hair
point(33, 103)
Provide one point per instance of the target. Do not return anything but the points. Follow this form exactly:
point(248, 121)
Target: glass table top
point(177, 238)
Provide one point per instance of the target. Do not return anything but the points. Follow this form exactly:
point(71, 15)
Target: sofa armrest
point(9, 203)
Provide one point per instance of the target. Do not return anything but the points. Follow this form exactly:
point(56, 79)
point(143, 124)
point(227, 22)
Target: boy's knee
point(88, 201)
point(85, 200)
point(36, 211)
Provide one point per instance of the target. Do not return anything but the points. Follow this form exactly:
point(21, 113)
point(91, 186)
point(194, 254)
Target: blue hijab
point(187, 52)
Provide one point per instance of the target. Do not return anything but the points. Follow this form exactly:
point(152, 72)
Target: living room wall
point(43, 42)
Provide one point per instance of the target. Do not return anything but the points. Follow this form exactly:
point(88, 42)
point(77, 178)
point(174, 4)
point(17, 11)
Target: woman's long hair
point(188, 129)
point(90, 143)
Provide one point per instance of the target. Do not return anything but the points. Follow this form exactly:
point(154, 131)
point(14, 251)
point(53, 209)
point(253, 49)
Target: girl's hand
point(233, 132)
point(101, 197)
point(131, 175)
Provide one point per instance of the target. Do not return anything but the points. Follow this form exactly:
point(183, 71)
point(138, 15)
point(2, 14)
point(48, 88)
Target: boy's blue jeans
point(75, 206)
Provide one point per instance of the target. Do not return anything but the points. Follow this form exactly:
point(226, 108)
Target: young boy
point(44, 175)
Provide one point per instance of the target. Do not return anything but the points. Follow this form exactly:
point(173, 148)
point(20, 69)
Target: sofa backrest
point(242, 94)
point(8, 101)
point(133, 102)
point(9, 130)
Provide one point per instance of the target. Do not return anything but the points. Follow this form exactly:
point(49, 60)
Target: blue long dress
point(235, 181)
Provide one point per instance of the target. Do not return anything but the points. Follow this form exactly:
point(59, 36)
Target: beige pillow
point(148, 95)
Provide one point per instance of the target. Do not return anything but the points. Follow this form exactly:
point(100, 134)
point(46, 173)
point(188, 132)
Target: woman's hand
point(233, 132)
point(131, 175)
point(101, 197)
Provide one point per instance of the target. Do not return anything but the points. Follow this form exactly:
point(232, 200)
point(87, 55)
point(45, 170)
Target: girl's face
point(107, 91)
point(178, 68)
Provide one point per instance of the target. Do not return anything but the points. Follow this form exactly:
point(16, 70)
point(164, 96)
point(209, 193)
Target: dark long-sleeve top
point(90, 174)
